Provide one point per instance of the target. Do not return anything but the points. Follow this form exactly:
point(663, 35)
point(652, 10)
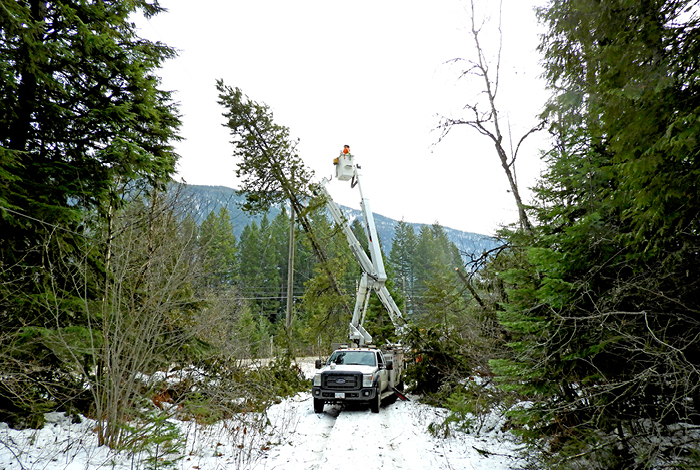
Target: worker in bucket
point(345, 151)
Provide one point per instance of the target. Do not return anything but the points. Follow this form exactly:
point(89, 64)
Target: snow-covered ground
point(396, 438)
point(293, 438)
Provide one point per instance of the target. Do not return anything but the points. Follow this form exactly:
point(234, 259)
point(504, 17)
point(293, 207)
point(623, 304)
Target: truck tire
point(318, 405)
point(376, 402)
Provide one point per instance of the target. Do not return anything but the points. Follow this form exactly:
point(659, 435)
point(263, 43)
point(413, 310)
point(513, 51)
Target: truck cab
point(363, 375)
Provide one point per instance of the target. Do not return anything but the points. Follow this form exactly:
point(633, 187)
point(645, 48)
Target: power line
point(43, 222)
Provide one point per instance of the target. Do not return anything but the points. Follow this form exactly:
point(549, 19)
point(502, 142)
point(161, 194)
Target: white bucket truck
point(360, 372)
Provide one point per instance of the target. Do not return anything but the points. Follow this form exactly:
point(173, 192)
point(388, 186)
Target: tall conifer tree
point(81, 115)
point(603, 307)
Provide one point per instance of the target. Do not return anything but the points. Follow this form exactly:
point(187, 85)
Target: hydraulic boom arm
point(373, 272)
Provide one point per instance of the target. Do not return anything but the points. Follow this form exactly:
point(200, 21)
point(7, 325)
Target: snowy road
point(350, 437)
point(396, 438)
point(352, 433)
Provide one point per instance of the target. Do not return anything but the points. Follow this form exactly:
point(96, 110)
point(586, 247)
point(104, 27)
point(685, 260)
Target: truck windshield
point(365, 358)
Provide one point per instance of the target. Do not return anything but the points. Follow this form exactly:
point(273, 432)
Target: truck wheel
point(318, 405)
point(374, 404)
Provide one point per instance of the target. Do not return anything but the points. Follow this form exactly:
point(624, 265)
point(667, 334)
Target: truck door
point(383, 373)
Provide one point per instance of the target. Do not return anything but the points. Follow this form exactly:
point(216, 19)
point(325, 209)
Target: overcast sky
point(373, 74)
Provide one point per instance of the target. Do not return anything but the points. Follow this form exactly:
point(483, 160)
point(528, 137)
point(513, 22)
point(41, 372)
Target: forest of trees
point(601, 298)
point(587, 310)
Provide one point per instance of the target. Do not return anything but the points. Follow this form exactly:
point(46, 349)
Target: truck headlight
point(317, 380)
point(367, 380)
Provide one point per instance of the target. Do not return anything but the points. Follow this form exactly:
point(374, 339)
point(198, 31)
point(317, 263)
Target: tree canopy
point(84, 126)
point(81, 116)
point(602, 301)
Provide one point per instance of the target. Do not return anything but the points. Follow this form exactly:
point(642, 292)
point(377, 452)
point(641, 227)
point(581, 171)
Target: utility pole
point(290, 270)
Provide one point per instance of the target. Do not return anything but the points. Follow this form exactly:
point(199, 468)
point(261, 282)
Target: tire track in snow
point(362, 437)
point(306, 446)
point(322, 433)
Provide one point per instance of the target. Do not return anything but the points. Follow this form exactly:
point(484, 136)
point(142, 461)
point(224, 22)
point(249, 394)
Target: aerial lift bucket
point(343, 167)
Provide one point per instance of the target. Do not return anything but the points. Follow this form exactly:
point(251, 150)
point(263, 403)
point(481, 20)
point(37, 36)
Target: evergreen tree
point(81, 116)
point(83, 126)
point(260, 268)
point(323, 316)
point(270, 169)
point(249, 259)
point(271, 263)
point(602, 307)
point(377, 319)
point(218, 246)
point(252, 334)
point(440, 332)
point(403, 249)
point(279, 237)
point(435, 258)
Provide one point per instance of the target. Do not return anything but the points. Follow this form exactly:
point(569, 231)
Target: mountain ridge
point(211, 198)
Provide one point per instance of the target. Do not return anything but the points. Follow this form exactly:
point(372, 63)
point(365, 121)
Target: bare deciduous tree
point(483, 116)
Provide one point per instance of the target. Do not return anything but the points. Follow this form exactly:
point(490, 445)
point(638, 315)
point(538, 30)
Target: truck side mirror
point(318, 363)
point(389, 365)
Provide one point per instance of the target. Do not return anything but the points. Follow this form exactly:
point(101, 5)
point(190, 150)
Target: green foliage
point(402, 259)
point(156, 436)
point(218, 245)
point(199, 407)
point(259, 268)
point(253, 334)
point(322, 316)
point(22, 405)
point(425, 264)
point(450, 338)
point(403, 250)
point(270, 170)
point(243, 386)
point(65, 345)
point(600, 302)
point(470, 405)
point(377, 319)
point(82, 122)
point(287, 377)
point(644, 101)
point(437, 365)
point(81, 115)
point(55, 380)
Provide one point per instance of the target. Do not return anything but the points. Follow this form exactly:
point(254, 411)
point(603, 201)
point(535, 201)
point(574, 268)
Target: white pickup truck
point(365, 375)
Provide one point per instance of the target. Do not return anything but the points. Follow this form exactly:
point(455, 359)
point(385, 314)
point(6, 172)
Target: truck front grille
point(342, 381)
